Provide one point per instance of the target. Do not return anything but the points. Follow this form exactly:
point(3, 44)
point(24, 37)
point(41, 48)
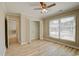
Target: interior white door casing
point(35, 30)
point(40, 28)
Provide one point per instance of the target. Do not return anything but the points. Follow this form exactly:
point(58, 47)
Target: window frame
point(49, 29)
point(59, 18)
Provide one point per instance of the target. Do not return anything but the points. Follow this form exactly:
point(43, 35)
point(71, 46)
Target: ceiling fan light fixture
point(44, 11)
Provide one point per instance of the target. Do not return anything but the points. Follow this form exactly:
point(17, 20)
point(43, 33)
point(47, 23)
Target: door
point(35, 30)
point(6, 36)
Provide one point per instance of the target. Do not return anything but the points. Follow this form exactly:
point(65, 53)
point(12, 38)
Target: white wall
point(41, 29)
point(2, 29)
point(2, 34)
point(25, 29)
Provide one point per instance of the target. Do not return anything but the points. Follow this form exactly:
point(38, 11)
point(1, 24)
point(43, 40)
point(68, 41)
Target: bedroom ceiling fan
point(44, 7)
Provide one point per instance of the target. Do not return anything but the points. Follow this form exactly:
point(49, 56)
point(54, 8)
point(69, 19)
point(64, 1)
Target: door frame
point(6, 30)
point(6, 34)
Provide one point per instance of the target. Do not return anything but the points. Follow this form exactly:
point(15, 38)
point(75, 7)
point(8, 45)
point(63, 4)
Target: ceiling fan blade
point(51, 5)
point(37, 8)
point(41, 3)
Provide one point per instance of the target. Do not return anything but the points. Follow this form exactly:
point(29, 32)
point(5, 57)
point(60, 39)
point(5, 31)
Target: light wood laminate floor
point(41, 48)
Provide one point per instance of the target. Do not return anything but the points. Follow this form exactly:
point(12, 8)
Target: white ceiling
point(28, 8)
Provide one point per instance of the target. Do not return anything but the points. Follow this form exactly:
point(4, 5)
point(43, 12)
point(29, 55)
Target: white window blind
point(63, 28)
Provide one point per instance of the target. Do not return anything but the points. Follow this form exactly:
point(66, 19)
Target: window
point(54, 28)
point(67, 28)
point(63, 28)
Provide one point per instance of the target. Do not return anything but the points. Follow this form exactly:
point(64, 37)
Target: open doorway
point(12, 31)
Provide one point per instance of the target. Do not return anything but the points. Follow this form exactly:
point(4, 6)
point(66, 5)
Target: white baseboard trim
point(62, 43)
point(22, 43)
point(4, 51)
